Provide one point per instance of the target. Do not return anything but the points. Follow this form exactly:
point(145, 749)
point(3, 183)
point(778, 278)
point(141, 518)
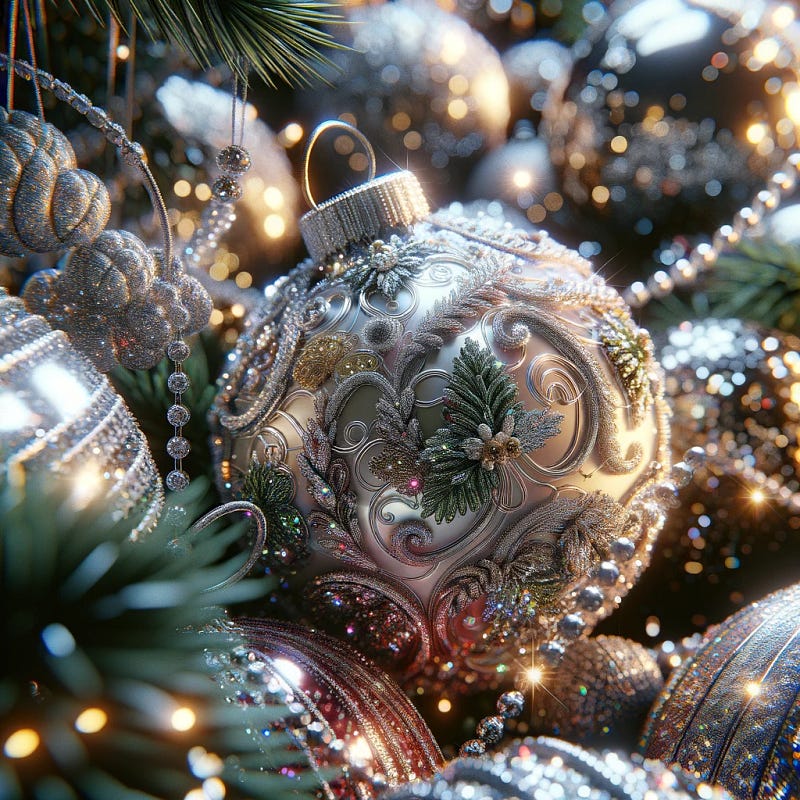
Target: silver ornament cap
point(362, 214)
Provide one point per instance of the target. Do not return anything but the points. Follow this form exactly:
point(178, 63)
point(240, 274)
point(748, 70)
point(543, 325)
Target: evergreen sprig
point(278, 38)
point(92, 620)
point(759, 281)
point(480, 400)
point(272, 490)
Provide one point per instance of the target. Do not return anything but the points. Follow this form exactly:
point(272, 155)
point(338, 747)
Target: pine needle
point(281, 40)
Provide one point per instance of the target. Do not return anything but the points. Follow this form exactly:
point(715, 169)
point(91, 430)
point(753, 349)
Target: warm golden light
point(766, 50)
point(202, 192)
point(522, 179)
point(490, 90)
point(600, 195)
point(182, 188)
point(291, 134)
point(454, 46)
point(753, 688)
point(793, 105)
point(183, 719)
point(274, 226)
point(783, 16)
point(619, 144)
point(91, 720)
point(758, 496)
point(21, 743)
point(756, 132)
point(457, 108)
point(444, 705)
point(534, 675)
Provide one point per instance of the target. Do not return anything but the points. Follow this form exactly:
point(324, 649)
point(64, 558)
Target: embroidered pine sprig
point(272, 490)
point(485, 427)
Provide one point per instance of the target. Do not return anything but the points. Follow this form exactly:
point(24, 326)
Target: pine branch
point(124, 629)
point(277, 38)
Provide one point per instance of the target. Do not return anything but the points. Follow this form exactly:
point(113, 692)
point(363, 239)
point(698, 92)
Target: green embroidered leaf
point(481, 415)
point(272, 490)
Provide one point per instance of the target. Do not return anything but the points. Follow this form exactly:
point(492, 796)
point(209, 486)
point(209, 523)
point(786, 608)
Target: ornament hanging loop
point(324, 127)
point(259, 540)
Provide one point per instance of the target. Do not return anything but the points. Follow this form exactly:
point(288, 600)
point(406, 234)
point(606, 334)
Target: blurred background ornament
point(544, 768)
point(346, 718)
point(48, 204)
point(554, 483)
point(425, 88)
point(264, 226)
point(59, 414)
point(535, 68)
point(731, 714)
point(88, 708)
point(675, 115)
point(600, 693)
point(519, 174)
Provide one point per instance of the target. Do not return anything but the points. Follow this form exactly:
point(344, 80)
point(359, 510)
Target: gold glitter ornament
point(59, 413)
point(731, 712)
point(47, 204)
point(482, 485)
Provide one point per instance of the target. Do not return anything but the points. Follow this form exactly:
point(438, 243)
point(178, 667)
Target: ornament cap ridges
point(363, 214)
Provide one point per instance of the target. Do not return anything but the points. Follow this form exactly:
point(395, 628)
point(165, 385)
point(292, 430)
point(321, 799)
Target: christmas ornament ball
point(551, 769)
point(602, 691)
point(463, 423)
point(730, 714)
point(427, 90)
point(348, 718)
point(519, 173)
point(60, 414)
point(673, 117)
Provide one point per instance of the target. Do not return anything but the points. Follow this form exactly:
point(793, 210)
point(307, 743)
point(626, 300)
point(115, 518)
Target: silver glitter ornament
point(446, 528)
point(59, 413)
point(112, 301)
point(601, 690)
point(424, 87)
point(550, 769)
point(354, 726)
point(47, 204)
point(731, 712)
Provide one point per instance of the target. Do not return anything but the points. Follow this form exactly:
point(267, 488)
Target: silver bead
point(491, 729)
point(623, 548)
point(472, 748)
point(608, 573)
point(178, 447)
point(177, 480)
point(178, 415)
point(233, 160)
point(178, 382)
point(571, 626)
point(551, 653)
point(226, 189)
point(510, 704)
point(178, 351)
point(591, 598)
